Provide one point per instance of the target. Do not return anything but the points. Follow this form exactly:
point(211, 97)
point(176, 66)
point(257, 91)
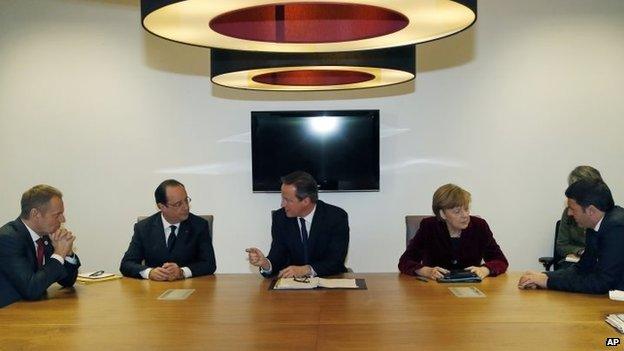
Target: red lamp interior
point(313, 77)
point(309, 22)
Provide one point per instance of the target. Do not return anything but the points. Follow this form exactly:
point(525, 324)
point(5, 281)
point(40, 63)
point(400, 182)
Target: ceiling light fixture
point(308, 72)
point(306, 26)
point(298, 45)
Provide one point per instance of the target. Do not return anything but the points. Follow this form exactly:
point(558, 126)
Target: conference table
point(239, 312)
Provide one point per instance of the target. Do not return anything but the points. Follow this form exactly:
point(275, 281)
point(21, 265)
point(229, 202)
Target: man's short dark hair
point(591, 192)
point(38, 197)
point(160, 194)
point(304, 184)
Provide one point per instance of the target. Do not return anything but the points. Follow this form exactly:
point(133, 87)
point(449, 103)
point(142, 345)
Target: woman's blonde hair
point(449, 196)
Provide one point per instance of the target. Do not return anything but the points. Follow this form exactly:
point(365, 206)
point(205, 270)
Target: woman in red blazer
point(453, 239)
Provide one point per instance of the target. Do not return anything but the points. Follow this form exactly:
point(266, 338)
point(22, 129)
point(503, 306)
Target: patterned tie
point(40, 252)
point(172, 238)
point(304, 240)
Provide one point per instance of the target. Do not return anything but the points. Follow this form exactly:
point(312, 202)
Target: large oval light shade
point(310, 72)
point(306, 26)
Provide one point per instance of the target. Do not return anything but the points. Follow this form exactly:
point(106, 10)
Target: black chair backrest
point(556, 256)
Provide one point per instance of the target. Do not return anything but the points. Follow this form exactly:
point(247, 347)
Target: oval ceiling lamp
point(312, 72)
point(306, 26)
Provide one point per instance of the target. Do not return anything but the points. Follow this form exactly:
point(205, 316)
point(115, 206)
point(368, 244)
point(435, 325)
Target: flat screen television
point(340, 149)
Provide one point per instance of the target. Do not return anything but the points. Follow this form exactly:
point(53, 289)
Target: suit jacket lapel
point(183, 235)
point(159, 235)
point(48, 249)
point(315, 231)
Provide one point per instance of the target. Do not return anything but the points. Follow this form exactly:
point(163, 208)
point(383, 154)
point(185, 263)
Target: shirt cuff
point(312, 272)
point(71, 259)
point(145, 273)
point(58, 258)
point(493, 272)
point(268, 271)
point(187, 272)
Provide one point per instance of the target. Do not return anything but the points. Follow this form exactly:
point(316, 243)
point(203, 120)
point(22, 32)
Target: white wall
point(92, 104)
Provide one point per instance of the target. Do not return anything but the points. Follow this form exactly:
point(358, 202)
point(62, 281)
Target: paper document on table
point(337, 283)
point(616, 321)
point(96, 277)
point(291, 283)
point(316, 282)
point(176, 294)
point(467, 291)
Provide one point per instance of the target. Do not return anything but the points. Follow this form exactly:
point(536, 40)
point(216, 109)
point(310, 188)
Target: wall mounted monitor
point(339, 148)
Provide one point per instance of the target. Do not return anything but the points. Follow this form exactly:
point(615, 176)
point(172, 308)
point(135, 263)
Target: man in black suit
point(601, 267)
point(35, 251)
point(171, 244)
point(293, 252)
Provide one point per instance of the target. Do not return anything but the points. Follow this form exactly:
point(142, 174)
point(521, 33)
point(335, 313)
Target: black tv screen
point(340, 149)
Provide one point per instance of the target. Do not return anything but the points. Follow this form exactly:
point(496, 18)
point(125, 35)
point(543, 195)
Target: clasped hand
point(533, 280)
point(63, 242)
point(168, 272)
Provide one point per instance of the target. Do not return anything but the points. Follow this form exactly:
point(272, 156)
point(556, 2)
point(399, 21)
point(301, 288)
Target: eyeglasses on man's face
point(180, 203)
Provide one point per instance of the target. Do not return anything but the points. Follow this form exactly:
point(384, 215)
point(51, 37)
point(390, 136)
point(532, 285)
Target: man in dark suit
point(293, 252)
point(171, 244)
point(601, 267)
point(35, 251)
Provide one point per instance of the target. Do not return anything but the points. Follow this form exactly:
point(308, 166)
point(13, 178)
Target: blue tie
point(304, 240)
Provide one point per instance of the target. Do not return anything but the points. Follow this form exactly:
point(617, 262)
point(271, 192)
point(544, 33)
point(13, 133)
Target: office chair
point(412, 223)
point(552, 261)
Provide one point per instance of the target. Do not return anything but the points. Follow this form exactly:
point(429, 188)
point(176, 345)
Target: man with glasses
point(310, 237)
point(171, 244)
point(35, 250)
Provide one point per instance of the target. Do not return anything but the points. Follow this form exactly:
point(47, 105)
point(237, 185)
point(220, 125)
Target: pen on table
point(96, 274)
point(422, 279)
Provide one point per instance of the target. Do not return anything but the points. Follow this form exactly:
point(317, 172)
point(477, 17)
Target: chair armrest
point(547, 262)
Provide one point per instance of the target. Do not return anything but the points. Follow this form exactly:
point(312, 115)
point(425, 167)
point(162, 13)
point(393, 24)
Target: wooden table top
point(238, 312)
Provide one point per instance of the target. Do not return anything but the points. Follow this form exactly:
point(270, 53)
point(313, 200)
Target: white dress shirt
point(597, 227)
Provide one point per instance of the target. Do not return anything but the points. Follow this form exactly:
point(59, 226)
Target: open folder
point(315, 282)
